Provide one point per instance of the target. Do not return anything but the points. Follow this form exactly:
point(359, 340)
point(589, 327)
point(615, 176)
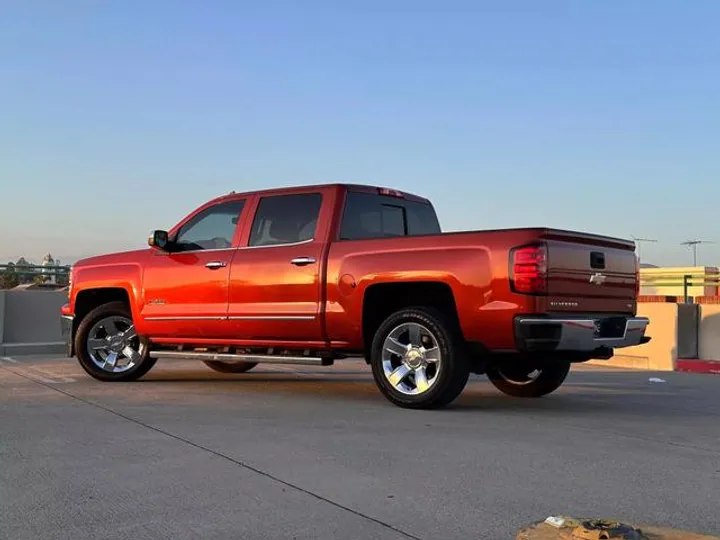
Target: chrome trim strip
point(210, 250)
point(272, 317)
point(68, 317)
point(199, 318)
point(237, 318)
point(301, 243)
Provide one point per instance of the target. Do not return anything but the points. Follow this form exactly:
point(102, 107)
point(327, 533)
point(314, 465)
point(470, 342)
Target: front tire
point(230, 367)
point(107, 346)
point(528, 379)
point(418, 359)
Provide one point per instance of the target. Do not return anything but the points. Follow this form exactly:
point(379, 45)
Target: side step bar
point(260, 359)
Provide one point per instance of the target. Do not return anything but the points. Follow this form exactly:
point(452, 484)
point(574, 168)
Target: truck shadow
point(624, 393)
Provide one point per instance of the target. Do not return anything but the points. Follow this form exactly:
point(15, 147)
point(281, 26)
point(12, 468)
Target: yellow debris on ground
point(567, 528)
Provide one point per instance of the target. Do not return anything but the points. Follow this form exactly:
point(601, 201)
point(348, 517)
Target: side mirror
point(159, 239)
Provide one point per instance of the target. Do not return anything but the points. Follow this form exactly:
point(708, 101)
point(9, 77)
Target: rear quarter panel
point(474, 265)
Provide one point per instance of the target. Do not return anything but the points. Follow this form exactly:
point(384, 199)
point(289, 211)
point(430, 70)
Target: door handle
point(214, 265)
point(303, 261)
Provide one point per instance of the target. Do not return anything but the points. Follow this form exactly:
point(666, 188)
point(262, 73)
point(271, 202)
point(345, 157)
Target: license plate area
point(610, 327)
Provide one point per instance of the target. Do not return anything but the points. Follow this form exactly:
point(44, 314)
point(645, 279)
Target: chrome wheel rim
point(411, 359)
point(113, 345)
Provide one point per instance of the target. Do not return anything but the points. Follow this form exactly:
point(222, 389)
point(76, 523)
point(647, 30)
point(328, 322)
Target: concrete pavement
point(282, 452)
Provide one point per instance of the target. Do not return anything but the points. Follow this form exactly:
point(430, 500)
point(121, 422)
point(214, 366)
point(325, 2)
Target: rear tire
point(107, 346)
point(418, 359)
point(528, 379)
point(230, 367)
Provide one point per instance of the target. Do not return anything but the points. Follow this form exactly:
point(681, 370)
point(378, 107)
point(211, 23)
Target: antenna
point(638, 241)
point(693, 244)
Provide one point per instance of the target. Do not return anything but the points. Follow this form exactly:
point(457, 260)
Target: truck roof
point(293, 189)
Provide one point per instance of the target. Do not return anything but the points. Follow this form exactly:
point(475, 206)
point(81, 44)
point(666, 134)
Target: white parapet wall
point(30, 322)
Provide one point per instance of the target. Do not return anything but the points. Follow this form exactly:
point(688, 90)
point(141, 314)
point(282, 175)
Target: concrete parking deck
point(317, 453)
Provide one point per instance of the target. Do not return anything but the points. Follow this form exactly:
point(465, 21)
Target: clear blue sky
point(120, 117)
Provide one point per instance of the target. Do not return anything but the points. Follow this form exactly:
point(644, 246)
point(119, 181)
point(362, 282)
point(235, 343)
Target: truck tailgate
point(590, 273)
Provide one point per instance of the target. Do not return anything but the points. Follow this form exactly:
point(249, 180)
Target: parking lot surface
point(318, 453)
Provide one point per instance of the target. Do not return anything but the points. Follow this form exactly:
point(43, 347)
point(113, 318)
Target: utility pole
point(693, 244)
point(639, 241)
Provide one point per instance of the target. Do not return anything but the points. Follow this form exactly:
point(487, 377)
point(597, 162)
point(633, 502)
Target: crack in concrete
point(265, 474)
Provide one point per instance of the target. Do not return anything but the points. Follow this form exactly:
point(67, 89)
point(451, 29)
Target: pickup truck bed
point(313, 274)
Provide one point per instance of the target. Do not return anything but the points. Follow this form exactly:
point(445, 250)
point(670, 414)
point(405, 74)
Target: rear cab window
point(368, 215)
point(286, 219)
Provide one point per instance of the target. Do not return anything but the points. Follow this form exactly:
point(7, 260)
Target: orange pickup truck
point(310, 275)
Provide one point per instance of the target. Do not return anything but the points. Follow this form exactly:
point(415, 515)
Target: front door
point(275, 279)
point(186, 289)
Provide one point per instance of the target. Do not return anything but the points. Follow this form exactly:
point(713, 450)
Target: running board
point(260, 359)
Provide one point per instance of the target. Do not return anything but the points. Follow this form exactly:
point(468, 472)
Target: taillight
point(637, 276)
point(528, 269)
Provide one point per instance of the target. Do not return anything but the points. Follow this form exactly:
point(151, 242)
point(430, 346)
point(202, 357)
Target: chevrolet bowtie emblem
point(598, 278)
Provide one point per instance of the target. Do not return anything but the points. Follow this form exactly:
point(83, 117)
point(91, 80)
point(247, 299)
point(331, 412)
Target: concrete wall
point(709, 332)
point(688, 330)
point(30, 322)
point(662, 351)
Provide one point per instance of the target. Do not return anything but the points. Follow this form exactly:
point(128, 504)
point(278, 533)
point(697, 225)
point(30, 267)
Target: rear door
point(590, 273)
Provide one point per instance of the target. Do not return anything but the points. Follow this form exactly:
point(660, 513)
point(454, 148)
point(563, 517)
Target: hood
point(121, 257)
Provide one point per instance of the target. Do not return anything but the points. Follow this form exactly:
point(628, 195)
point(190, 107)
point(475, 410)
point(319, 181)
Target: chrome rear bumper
point(579, 334)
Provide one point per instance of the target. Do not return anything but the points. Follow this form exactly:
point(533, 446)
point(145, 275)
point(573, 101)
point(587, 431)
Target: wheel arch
point(88, 299)
point(382, 299)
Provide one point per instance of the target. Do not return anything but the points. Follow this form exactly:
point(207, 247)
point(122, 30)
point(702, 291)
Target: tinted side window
point(379, 216)
point(285, 219)
point(421, 218)
point(213, 228)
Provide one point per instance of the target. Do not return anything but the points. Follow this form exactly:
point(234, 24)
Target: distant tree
point(23, 267)
point(9, 278)
point(63, 277)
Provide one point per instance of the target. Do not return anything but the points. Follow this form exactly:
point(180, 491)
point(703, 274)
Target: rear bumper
point(579, 334)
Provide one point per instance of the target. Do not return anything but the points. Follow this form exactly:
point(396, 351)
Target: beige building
point(668, 281)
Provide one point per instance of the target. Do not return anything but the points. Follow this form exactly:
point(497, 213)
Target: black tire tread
point(456, 364)
point(552, 376)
